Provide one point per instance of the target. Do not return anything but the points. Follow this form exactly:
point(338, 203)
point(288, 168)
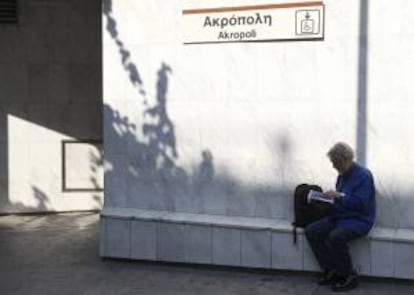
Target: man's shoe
point(327, 278)
point(345, 284)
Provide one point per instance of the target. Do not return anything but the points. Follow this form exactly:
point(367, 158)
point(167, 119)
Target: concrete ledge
point(242, 241)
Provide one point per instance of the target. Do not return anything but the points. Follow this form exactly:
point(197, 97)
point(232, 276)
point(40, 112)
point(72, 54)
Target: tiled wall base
point(242, 241)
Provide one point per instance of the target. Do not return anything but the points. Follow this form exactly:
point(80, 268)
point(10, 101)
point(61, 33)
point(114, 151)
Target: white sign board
point(253, 23)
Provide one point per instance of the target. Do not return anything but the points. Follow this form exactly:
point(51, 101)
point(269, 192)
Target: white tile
point(404, 235)
point(198, 244)
point(121, 213)
point(361, 256)
point(102, 236)
point(256, 248)
point(359, 250)
point(171, 242)
point(143, 239)
point(382, 233)
point(309, 261)
point(283, 225)
point(404, 253)
point(150, 215)
point(404, 260)
point(382, 258)
point(226, 246)
point(117, 238)
point(286, 254)
point(177, 217)
point(246, 222)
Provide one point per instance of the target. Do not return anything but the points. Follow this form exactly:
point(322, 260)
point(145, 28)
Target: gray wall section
point(51, 74)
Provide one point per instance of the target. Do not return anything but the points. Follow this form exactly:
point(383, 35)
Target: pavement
point(58, 254)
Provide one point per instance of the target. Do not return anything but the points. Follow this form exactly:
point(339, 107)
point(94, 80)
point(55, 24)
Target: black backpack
point(305, 213)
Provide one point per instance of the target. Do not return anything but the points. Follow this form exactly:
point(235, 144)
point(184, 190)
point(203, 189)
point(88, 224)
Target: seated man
point(352, 217)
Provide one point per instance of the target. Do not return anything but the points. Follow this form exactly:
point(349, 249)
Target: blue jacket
point(356, 209)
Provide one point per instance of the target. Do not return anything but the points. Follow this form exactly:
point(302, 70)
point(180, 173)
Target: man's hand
point(333, 194)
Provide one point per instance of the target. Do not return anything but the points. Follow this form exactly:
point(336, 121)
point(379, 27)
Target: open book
point(318, 196)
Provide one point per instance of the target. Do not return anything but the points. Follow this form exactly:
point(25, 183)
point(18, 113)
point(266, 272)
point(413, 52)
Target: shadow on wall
point(42, 200)
point(125, 54)
point(96, 162)
point(43, 203)
point(141, 161)
point(394, 208)
point(142, 170)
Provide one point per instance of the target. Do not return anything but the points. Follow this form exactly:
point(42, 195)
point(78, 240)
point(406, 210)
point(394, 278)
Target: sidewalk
point(58, 254)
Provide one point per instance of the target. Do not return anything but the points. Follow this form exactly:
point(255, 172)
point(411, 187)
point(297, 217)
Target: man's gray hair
point(341, 150)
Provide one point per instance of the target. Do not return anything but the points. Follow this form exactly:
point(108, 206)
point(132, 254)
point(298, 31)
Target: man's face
point(340, 165)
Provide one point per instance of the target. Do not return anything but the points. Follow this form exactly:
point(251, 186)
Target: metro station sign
point(298, 21)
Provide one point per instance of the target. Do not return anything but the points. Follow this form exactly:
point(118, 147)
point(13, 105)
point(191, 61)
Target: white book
point(318, 196)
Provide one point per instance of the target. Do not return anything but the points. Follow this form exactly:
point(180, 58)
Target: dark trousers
point(329, 243)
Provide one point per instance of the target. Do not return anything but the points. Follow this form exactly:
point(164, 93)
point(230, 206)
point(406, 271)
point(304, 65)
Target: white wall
point(50, 90)
point(266, 113)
